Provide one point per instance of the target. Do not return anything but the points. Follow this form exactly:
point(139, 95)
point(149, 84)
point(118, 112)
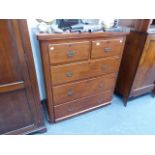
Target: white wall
point(37, 57)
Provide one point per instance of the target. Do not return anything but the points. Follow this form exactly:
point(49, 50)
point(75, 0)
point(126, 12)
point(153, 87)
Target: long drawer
point(72, 91)
point(69, 52)
point(105, 48)
point(75, 107)
point(77, 71)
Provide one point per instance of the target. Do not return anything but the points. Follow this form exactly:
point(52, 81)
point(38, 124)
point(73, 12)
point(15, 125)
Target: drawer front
point(72, 91)
point(69, 52)
point(81, 105)
point(105, 48)
point(76, 71)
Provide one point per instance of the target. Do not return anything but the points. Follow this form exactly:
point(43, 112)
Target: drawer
point(105, 48)
point(81, 70)
point(72, 91)
point(75, 107)
point(69, 52)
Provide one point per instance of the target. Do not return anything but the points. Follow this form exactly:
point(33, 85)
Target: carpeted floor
point(137, 118)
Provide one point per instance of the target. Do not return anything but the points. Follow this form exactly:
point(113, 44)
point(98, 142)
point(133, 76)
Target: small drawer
point(105, 48)
point(72, 91)
point(68, 52)
point(81, 70)
point(75, 107)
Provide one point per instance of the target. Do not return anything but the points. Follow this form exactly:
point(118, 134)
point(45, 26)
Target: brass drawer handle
point(104, 66)
point(70, 93)
point(101, 85)
point(69, 74)
point(107, 49)
point(70, 54)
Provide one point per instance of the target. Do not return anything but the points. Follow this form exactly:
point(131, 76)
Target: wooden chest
point(80, 71)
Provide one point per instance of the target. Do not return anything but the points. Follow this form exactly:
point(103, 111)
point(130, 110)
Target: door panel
point(19, 112)
point(145, 76)
point(11, 86)
point(14, 111)
point(9, 62)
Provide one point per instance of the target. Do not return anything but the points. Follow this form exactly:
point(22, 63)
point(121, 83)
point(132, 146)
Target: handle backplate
point(104, 67)
point(69, 74)
point(70, 93)
point(107, 50)
point(70, 54)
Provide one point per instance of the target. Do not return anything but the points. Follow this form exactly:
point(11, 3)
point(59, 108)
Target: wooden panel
point(71, 91)
point(142, 90)
point(75, 36)
point(8, 55)
point(33, 85)
point(20, 110)
point(14, 111)
point(105, 48)
point(48, 80)
point(131, 55)
point(11, 87)
point(76, 71)
point(69, 52)
point(75, 107)
point(140, 25)
point(145, 75)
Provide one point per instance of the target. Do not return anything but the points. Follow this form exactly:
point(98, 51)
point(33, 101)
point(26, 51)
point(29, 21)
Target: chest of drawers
point(80, 71)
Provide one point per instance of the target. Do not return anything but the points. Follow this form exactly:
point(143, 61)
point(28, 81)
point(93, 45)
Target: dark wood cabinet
point(20, 108)
point(80, 71)
point(137, 72)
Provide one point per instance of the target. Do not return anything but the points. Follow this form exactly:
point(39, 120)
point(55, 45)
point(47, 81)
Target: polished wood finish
point(81, 70)
point(80, 36)
point(82, 105)
point(139, 63)
point(11, 87)
point(130, 59)
point(69, 52)
point(72, 91)
point(145, 76)
point(20, 109)
point(106, 48)
point(80, 83)
point(140, 25)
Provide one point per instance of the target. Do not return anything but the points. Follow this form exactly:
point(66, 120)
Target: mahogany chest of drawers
point(80, 71)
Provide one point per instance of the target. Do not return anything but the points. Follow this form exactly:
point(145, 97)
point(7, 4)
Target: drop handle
point(70, 54)
point(69, 74)
point(104, 67)
point(101, 85)
point(70, 93)
point(107, 50)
